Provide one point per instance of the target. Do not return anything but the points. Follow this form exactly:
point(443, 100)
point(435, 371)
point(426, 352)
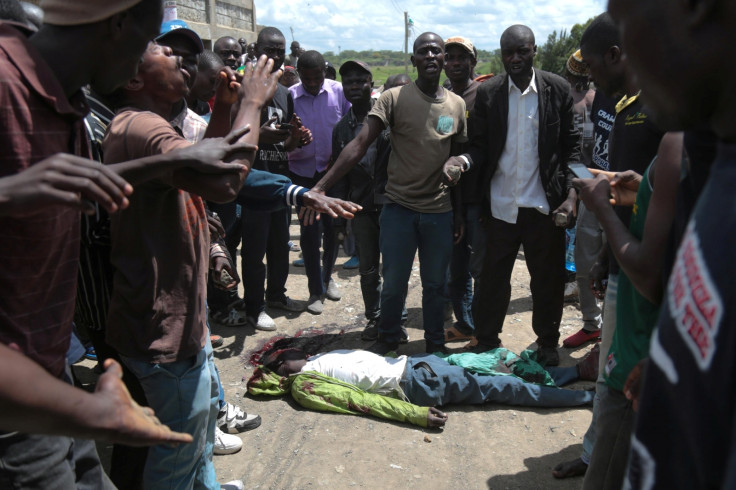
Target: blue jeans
point(184, 395)
point(465, 268)
point(430, 381)
point(403, 231)
point(311, 236)
point(264, 234)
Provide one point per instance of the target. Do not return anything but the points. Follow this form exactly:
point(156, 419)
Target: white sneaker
point(264, 322)
point(233, 485)
point(315, 305)
point(232, 419)
point(332, 292)
point(225, 443)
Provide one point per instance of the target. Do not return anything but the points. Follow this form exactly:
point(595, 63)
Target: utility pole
point(292, 32)
point(406, 43)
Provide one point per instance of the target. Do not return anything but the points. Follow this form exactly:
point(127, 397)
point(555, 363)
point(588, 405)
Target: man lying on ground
point(408, 388)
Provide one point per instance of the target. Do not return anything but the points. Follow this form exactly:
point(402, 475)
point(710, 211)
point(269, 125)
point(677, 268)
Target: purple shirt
point(320, 114)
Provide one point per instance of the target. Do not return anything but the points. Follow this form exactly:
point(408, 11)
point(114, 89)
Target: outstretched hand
point(315, 202)
point(209, 156)
point(259, 81)
point(126, 422)
point(63, 179)
point(436, 418)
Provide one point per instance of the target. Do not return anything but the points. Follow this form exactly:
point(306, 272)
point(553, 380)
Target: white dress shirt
point(516, 183)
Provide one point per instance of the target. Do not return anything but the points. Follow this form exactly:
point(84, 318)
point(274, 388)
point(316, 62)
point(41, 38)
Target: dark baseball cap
point(354, 64)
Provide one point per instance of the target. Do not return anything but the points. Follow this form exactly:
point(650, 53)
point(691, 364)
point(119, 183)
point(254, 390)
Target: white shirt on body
point(516, 183)
point(366, 370)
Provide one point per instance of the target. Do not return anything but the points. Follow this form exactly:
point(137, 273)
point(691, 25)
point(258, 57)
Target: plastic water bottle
point(570, 249)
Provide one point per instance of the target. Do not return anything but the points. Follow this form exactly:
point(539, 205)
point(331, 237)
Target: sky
point(337, 25)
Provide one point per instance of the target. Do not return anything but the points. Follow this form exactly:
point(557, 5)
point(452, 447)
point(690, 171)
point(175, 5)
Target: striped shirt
point(39, 253)
point(94, 282)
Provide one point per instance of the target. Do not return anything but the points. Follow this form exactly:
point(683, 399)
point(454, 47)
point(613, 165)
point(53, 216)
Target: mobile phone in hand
point(286, 126)
point(581, 171)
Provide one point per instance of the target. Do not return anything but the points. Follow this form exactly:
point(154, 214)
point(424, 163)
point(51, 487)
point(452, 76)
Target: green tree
point(553, 55)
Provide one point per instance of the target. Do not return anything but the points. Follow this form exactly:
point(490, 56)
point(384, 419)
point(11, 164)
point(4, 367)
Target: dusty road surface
point(490, 446)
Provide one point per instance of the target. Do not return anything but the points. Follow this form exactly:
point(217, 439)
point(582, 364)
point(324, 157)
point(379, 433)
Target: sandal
point(229, 318)
point(452, 334)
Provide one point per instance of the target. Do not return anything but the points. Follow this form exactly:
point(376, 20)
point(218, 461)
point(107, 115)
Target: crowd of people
point(136, 163)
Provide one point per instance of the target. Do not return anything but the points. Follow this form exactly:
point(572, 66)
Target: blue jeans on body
point(366, 229)
point(311, 236)
point(265, 234)
point(465, 268)
point(429, 380)
point(184, 395)
point(403, 231)
point(41, 462)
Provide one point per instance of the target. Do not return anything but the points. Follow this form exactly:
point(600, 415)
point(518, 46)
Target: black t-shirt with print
point(273, 158)
point(632, 145)
point(602, 114)
point(685, 433)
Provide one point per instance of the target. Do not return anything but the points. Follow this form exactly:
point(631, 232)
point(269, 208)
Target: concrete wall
point(212, 19)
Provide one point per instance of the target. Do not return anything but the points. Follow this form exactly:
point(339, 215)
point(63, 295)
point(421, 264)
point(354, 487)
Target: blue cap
point(180, 27)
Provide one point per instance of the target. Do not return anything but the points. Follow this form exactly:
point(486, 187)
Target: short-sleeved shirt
point(422, 132)
point(39, 254)
point(366, 370)
point(273, 157)
point(633, 143)
point(684, 436)
point(160, 246)
point(602, 114)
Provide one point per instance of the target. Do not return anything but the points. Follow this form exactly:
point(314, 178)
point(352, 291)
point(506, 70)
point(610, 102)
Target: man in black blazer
point(522, 139)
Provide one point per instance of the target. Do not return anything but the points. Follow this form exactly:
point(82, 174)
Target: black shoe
point(431, 348)
point(404, 335)
point(548, 356)
point(382, 348)
point(370, 332)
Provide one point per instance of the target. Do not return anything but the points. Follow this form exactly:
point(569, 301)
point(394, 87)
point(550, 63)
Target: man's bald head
point(427, 37)
point(228, 49)
point(517, 34)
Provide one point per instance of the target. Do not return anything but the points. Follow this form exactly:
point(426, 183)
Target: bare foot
point(570, 468)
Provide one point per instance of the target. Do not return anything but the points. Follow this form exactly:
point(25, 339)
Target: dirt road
point(491, 446)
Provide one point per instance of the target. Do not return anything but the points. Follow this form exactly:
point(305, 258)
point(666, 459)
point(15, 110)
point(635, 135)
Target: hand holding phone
point(580, 171)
